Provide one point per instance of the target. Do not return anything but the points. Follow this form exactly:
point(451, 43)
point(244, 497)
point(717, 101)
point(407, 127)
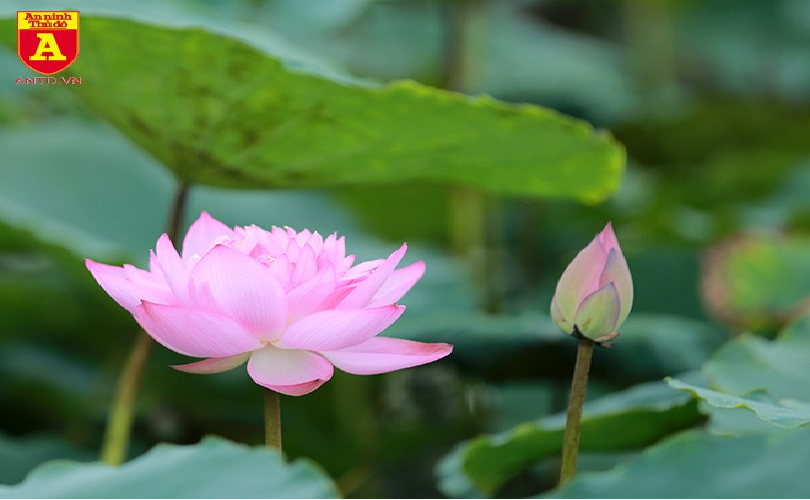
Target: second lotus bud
point(595, 292)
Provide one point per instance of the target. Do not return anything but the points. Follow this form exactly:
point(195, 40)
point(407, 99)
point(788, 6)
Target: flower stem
point(579, 387)
point(178, 211)
point(119, 422)
point(272, 419)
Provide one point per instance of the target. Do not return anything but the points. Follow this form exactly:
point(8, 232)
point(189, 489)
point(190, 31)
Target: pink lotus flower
point(595, 293)
point(290, 304)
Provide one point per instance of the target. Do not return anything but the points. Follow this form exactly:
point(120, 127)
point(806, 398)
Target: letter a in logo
point(47, 44)
point(48, 41)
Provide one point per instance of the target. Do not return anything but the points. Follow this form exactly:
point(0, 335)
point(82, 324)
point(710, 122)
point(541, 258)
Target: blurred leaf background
point(709, 100)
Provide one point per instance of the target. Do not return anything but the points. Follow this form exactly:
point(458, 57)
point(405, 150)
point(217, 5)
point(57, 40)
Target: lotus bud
point(595, 292)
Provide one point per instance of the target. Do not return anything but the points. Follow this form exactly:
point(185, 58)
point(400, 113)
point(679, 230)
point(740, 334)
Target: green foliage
point(487, 462)
point(218, 111)
point(214, 468)
point(650, 346)
point(765, 377)
point(777, 413)
point(737, 457)
point(750, 363)
point(696, 464)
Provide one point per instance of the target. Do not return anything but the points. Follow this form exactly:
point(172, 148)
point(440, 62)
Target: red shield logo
point(48, 41)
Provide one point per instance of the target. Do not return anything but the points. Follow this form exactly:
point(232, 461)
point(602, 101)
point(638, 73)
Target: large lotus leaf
point(786, 413)
point(732, 422)
point(219, 111)
point(418, 212)
point(768, 378)
point(696, 464)
point(758, 281)
point(214, 468)
point(620, 421)
point(781, 367)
